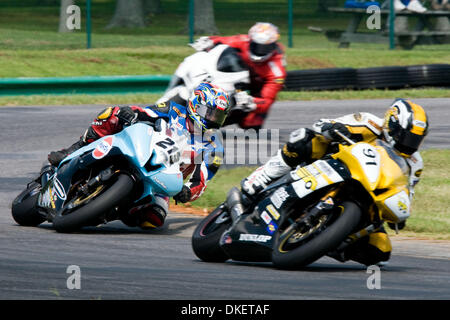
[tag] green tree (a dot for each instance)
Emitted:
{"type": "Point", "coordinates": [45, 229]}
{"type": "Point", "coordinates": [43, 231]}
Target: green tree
{"type": "Point", "coordinates": [128, 14]}
{"type": "Point", "coordinates": [204, 21]}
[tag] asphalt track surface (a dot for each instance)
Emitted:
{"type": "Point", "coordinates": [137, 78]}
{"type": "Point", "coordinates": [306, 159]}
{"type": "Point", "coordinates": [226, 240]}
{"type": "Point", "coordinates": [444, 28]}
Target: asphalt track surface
{"type": "Point", "coordinates": [118, 262]}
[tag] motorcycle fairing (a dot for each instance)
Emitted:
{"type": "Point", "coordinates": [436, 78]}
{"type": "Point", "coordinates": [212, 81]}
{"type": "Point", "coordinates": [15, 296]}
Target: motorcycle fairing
{"type": "Point", "coordinates": [254, 233]}
{"type": "Point", "coordinates": [315, 176]}
{"type": "Point", "coordinates": [382, 176]}
{"type": "Point", "coordinates": [140, 144]}
{"type": "Point", "coordinates": [248, 239]}
{"type": "Point", "coordinates": [203, 66]}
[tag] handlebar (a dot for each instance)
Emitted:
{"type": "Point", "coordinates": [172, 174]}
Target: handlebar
{"type": "Point", "coordinates": [346, 139]}
{"type": "Point", "coordinates": [157, 125]}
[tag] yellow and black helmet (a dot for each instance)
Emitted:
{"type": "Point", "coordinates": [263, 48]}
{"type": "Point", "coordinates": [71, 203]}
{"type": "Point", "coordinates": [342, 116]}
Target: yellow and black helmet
{"type": "Point", "coordinates": [405, 126]}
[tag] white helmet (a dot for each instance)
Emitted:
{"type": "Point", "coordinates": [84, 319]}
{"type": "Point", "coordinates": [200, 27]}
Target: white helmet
{"type": "Point", "coordinates": [263, 41]}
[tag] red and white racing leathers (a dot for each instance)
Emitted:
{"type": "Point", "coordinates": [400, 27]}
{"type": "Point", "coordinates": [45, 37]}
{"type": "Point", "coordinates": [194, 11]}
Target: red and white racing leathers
{"type": "Point", "coordinates": [267, 77]}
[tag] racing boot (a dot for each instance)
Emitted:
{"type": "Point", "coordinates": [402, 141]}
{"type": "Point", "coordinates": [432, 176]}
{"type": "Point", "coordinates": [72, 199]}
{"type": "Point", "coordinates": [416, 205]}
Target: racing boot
{"type": "Point", "coordinates": [265, 175]}
{"type": "Point", "coordinates": [373, 249]}
{"type": "Point", "coordinates": [153, 215]}
{"type": "Point", "coordinates": [234, 204]}
{"type": "Point", "coordinates": [55, 157]}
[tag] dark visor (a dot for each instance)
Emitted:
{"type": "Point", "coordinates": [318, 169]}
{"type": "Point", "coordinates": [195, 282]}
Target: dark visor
{"type": "Point", "coordinates": [261, 50]}
{"type": "Point", "coordinates": [408, 142]}
{"type": "Point", "coordinates": [213, 116]}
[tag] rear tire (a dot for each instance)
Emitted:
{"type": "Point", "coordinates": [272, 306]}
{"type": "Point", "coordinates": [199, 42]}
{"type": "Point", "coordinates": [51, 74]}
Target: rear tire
{"type": "Point", "coordinates": [320, 244]}
{"type": "Point", "coordinates": [90, 213]}
{"type": "Point", "coordinates": [23, 208]}
{"type": "Point", "coordinates": [206, 237]}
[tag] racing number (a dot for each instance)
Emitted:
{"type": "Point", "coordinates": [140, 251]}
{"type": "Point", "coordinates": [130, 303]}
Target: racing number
{"type": "Point", "coordinates": [164, 144]}
{"type": "Point", "coordinates": [369, 153]}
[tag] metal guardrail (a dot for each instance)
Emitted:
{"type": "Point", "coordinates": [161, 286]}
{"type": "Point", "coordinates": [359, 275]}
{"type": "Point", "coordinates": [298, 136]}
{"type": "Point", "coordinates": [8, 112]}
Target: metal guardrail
{"type": "Point", "coordinates": [84, 85]}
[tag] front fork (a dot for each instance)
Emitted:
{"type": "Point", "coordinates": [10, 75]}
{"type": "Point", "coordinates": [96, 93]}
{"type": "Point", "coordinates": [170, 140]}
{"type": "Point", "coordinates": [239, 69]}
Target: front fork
{"type": "Point", "coordinates": [47, 172]}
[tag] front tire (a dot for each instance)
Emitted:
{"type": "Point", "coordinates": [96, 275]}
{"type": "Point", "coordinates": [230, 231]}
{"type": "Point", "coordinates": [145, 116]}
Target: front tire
{"type": "Point", "coordinates": [206, 237]}
{"type": "Point", "coordinates": [23, 208]}
{"type": "Point", "coordinates": [90, 213]}
{"type": "Point", "coordinates": [319, 244]}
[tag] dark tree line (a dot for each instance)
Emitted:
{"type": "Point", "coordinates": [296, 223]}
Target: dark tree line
{"type": "Point", "coordinates": [136, 13]}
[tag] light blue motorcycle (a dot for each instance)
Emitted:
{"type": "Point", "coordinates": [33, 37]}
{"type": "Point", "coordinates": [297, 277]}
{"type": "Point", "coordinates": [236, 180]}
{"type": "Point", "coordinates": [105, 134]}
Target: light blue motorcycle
{"type": "Point", "coordinates": [102, 181]}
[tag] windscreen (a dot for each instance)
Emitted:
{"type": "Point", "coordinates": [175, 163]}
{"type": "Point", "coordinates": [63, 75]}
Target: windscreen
{"type": "Point", "coordinates": [401, 162]}
{"type": "Point", "coordinates": [229, 61]}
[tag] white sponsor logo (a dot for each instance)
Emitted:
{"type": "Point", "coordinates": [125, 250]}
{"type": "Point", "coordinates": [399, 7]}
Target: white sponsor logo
{"type": "Point", "coordinates": [46, 198]}
{"type": "Point", "coordinates": [278, 197]}
{"type": "Point", "coordinates": [419, 123]}
{"type": "Point", "coordinates": [254, 237]}
{"type": "Point", "coordinates": [59, 190]}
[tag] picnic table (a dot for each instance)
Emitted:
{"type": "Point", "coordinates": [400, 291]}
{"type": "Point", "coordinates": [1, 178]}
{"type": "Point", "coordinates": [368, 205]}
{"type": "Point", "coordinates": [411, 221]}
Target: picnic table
{"type": "Point", "coordinates": [423, 32]}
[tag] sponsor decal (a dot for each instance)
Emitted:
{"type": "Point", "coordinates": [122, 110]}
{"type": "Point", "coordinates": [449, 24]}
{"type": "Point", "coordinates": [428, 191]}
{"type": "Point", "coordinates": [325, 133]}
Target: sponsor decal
{"type": "Point", "coordinates": [217, 161]}
{"type": "Point", "coordinates": [103, 148]}
{"type": "Point", "coordinates": [159, 182]}
{"type": "Point", "coordinates": [271, 227]}
{"type": "Point", "coordinates": [179, 113]}
{"type": "Point", "coordinates": [45, 198]}
{"type": "Point", "coordinates": [402, 207]}
{"type": "Point", "coordinates": [221, 103]}
{"type": "Point", "coordinates": [59, 189]}
{"type": "Point", "coordinates": [325, 168]}
{"type": "Point", "coordinates": [265, 216]}
{"type": "Point", "coordinates": [308, 178]}
{"type": "Point", "coordinates": [227, 239]}
{"type": "Point", "coordinates": [254, 237]}
{"type": "Point", "coordinates": [275, 214]}
{"type": "Point", "coordinates": [420, 124]}
{"type": "Point", "coordinates": [278, 197]}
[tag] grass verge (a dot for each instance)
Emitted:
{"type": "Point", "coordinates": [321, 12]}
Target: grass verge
{"type": "Point", "coordinates": [30, 45]}
{"type": "Point", "coordinates": [148, 98]}
{"type": "Point", "coordinates": [430, 216]}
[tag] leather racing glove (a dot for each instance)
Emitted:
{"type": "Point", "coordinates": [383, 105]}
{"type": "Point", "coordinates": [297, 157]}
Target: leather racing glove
{"type": "Point", "coordinates": [244, 101]}
{"type": "Point", "coordinates": [328, 130]}
{"type": "Point", "coordinates": [183, 196]}
{"type": "Point", "coordinates": [126, 116]}
{"type": "Point", "coordinates": [202, 44]}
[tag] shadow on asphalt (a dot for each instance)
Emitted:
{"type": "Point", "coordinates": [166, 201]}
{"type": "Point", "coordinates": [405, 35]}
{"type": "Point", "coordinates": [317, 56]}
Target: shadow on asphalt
{"type": "Point", "coordinates": [173, 226]}
{"type": "Point", "coordinates": [337, 267]}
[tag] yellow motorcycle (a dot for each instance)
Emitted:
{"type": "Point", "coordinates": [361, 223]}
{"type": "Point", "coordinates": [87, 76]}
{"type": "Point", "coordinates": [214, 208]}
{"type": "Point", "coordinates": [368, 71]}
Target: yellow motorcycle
{"type": "Point", "coordinates": [313, 210]}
